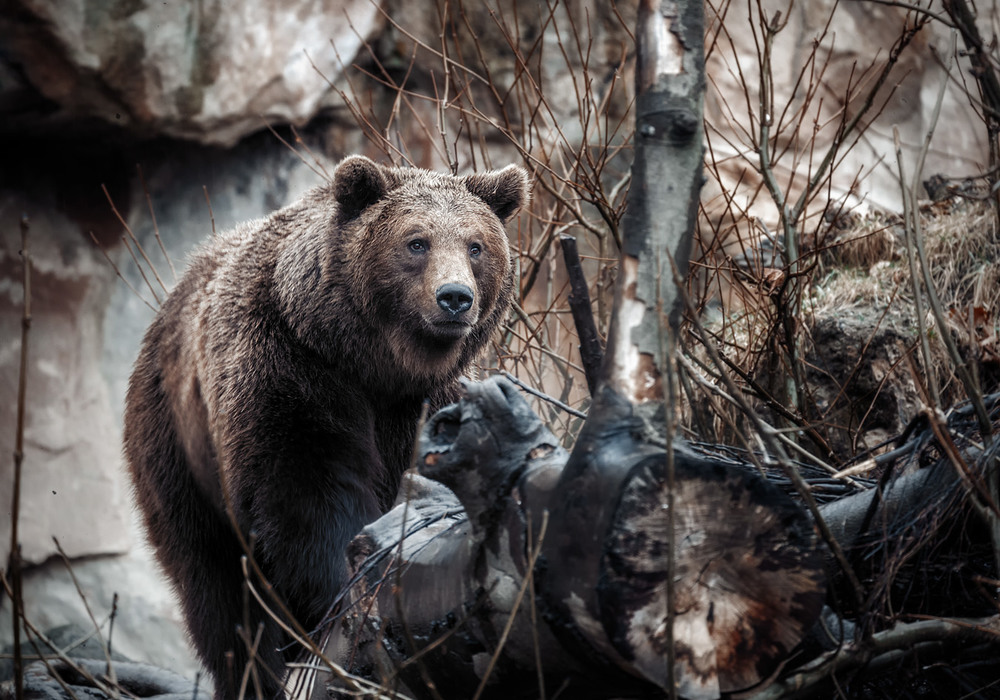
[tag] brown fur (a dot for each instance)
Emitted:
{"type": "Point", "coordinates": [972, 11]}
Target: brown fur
{"type": "Point", "coordinates": [289, 366]}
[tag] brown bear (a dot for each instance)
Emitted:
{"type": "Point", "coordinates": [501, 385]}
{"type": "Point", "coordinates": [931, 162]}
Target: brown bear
{"type": "Point", "coordinates": [285, 375]}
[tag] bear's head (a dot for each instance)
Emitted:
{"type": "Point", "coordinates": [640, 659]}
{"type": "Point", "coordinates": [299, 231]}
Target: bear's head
{"type": "Point", "coordinates": [428, 258]}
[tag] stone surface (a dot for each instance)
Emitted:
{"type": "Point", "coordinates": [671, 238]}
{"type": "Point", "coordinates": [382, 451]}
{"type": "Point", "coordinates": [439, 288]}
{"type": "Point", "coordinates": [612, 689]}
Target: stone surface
{"type": "Point", "coordinates": [79, 678]}
{"type": "Point", "coordinates": [85, 333]}
{"type": "Point", "coordinates": [848, 59]}
{"type": "Point", "coordinates": [73, 639]}
{"type": "Point", "coordinates": [71, 486]}
{"type": "Point", "coordinates": [204, 71]}
{"type": "Point", "coordinates": [147, 625]}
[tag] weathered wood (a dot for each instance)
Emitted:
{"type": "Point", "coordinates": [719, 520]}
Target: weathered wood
{"type": "Point", "coordinates": [431, 609]}
{"type": "Point", "coordinates": [455, 578]}
{"type": "Point", "coordinates": [663, 198]}
{"type": "Point", "coordinates": [747, 562]}
{"type": "Point", "coordinates": [901, 498]}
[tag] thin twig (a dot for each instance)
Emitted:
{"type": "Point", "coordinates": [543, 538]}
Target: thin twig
{"type": "Point", "coordinates": [128, 246]}
{"type": "Point", "coordinates": [321, 173]}
{"type": "Point", "coordinates": [105, 648]}
{"type": "Point", "coordinates": [397, 595]}
{"type": "Point", "coordinates": [533, 552]}
{"type": "Point", "coordinates": [14, 565]}
{"type": "Point", "coordinates": [211, 214]}
{"type": "Point", "coordinates": [156, 228]}
{"type": "Point", "coordinates": [249, 671]}
{"type": "Point", "coordinates": [315, 158]}
{"type": "Point", "coordinates": [915, 240]}
{"type": "Point", "coordinates": [63, 656]}
{"type": "Point", "coordinates": [119, 273]}
{"type": "Point", "coordinates": [138, 245]}
{"type": "Point", "coordinates": [543, 396]}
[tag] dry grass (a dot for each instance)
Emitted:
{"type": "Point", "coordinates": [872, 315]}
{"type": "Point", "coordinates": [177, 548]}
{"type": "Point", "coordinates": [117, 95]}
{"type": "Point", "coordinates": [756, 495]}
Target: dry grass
{"type": "Point", "coordinates": [862, 283]}
{"type": "Point", "coordinates": [864, 264]}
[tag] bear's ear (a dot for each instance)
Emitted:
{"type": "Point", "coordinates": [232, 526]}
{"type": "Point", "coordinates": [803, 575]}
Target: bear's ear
{"type": "Point", "coordinates": [357, 184]}
{"type": "Point", "coordinates": [505, 191]}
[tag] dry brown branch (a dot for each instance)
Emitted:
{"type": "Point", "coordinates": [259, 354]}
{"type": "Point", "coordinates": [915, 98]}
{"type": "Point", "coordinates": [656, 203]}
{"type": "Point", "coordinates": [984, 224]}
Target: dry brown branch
{"type": "Point", "coordinates": [156, 228]}
{"type": "Point", "coordinates": [319, 171]}
{"type": "Point", "coordinates": [105, 645]}
{"type": "Point", "coordinates": [14, 563]}
{"type": "Point", "coordinates": [29, 627]}
{"type": "Point", "coordinates": [118, 273]}
{"type": "Point", "coordinates": [131, 235]}
{"type": "Point", "coordinates": [903, 640]}
{"type": "Point", "coordinates": [138, 265]}
{"type": "Point", "coordinates": [208, 203]}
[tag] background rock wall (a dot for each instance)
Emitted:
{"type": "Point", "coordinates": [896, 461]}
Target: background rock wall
{"type": "Point", "coordinates": [86, 328]}
{"type": "Point", "coordinates": [203, 70]}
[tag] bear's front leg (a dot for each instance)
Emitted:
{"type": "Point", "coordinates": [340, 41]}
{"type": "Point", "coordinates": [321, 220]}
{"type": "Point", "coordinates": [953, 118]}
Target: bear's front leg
{"type": "Point", "coordinates": [300, 504]}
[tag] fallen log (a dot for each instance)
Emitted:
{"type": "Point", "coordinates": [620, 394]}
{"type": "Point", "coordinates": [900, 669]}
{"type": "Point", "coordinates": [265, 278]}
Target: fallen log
{"type": "Point", "coordinates": [532, 573]}
{"type": "Point", "coordinates": [510, 569]}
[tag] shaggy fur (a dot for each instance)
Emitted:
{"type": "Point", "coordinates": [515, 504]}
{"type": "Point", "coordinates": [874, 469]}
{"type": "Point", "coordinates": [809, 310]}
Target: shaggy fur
{"type": "Point", "coordinates": [287, 370]}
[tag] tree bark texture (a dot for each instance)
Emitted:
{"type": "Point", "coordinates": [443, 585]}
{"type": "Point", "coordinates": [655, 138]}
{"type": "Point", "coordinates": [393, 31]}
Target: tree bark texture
{"type": "Point", "coordinates": [663, 197]}
{"type": "Point", "coordinates": [589, 614]}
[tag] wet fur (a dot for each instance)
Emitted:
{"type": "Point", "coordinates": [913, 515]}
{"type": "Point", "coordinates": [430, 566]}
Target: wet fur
{"type": "Point", "coordinates": [290, 364]}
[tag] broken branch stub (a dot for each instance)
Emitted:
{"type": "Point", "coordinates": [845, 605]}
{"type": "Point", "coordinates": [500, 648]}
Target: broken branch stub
{"type": "Point", "coordinates": [591, 351]}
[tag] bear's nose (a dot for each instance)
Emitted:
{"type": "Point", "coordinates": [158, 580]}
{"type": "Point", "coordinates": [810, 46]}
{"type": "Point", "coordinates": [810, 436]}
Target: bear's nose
{"type": "Point", "coordinates": [454, 298]}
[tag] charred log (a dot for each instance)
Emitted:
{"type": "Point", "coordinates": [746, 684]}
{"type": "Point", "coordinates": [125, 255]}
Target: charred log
{"type": "Point", "coordinates": [591, 351]}
{"type": "Point", "coordinates": [534, 570]}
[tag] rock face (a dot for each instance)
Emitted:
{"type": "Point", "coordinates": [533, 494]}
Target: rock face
{"type": "Point", "coordinates": [71, 446]}
{"type": "Point", "coordinates": [85, 333]}
{"type": "Point", "coordinates": [201, 71]}
{"type": "Point", "coordinates": [147, 626]}
{"type": "Point", "coordinates": [843, 62]}
{"type": "Point", "coordinates": [50, 680]}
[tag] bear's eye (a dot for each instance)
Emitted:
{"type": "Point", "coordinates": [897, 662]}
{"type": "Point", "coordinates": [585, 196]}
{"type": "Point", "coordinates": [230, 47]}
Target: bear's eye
{"type": "Point", "coordinates": [475, 249]}
{"type": "Point", "coordinates": [417, 245]}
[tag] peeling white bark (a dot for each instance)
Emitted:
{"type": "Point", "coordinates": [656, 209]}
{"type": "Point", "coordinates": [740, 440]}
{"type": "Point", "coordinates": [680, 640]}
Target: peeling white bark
{"type": "Point", "coordinates": [630, 371]}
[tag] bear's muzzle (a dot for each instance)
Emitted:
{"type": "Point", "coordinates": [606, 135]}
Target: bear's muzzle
{"type": "Point", "coordinates": [455, 299]}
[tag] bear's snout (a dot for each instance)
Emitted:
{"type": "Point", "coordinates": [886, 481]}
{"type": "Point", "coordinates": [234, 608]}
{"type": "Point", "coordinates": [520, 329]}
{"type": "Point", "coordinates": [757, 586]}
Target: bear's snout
{"type": "Point", "coordinates": [455, 299]}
